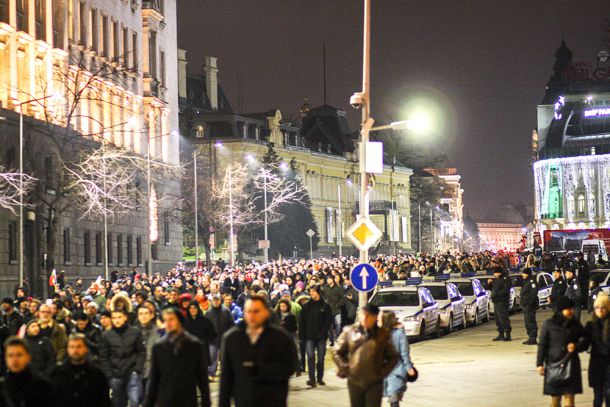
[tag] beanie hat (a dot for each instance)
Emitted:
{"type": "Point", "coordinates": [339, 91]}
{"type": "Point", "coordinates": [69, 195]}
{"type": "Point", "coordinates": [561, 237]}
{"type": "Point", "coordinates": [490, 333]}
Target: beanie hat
{"type": "Point", "coordinates": [564, 302]}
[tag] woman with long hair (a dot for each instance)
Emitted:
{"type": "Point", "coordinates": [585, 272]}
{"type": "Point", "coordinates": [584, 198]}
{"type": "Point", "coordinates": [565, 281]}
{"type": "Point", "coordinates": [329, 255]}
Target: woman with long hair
{"type": "Point", "coordinates": [395, 384]}
{"type": "Point", "coordinates": [598, 334]}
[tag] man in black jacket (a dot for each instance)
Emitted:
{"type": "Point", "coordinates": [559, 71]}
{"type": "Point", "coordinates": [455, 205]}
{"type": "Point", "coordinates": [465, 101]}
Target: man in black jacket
{"type": "Point", "coordinates": [316, 320]}
{"type": "Point", "coordinates": [12, 318]}
{"type": "Point", "coordinates": [529, 303]}
{"type": "Point", "coordinates": [223, 321]}
{"type": "Point", "coordinates": [257, 360]}
{"type": "Point", "coordinates": [91, 331]}
{"type": "Point", "coordinates": [122, 357]}
{"type": "Point", "coordinates": [177, 352]}
{"type": "Point", "coordinates": [79, 382]}
{"type": "Point", "coordinates": [559, 287]}
{"type": "Point", "coordinates": [574, 292]}
{"type": "Point", "coordinates": [500, 296]}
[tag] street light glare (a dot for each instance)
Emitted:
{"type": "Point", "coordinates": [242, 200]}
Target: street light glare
{"type": "Point", "coordinates": [419, 123]}
{"type": "Point", "coordinates": [283, 165]}
{"type": "Point", "coordinates": [250, 158]}
{"type": "Point", "coordinates": [218, 144]}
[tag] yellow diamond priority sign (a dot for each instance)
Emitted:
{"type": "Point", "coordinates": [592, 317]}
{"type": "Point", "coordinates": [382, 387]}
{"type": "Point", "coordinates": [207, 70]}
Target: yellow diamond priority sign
{"type": "Point", "coordinates": [364, 234]}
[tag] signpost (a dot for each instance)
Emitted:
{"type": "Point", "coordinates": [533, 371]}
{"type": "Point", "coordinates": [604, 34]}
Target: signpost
{"type": "Point", "coordinates": [311, 234]}
{"type": "Point", "coordinates": [364, 234]}
{"type": "Point", "coordinates": [364, 277]}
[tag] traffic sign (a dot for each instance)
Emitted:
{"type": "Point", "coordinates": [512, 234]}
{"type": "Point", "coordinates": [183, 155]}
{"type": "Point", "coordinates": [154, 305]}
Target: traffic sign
{"type": "Point", "coordinates": [310, 233]}
{"type": "Point", "coordinates": [364, 277]}
{"type": "Point", "coordinates": [364, 234]}
{"type": "Point", "coordinates": [264, 244]}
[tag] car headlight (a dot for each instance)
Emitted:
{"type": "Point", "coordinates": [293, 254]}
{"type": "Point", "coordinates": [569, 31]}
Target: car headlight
{"type": "Point", "coordinates": [410, 319]}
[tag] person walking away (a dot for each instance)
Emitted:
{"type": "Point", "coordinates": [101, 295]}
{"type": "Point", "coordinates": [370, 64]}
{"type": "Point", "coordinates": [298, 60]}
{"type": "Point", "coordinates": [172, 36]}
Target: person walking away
{"type": "Point", "coordinates": [395, 384]}
{"type": "Point", "coordinates": [21, 386]}
{"type": "Point", "coordinates": [561, 335]}
{"type": "Point", "coordinates": [333, 295]}
{"type": "Point", "coordinates": [316, 320]}
{"type": "Point", "coordinates": [122, 358]}
{"type": "Point", "coordinates": [41, 351]}
{"type": "Point", "coordinates": [365, 355]}
{"type": "Point", "coordinates": [573, 291]}
{"type": "Point", "coordinates": [529, 303]}
{"type": "Point", "coordinates": [78, 381]}
{"type": "Point", "coordinates": [150, 335]}
{"type": "Point", "coordinates": [177, 351]}
{"type": "Point", "coordinates": [598, 336]}
{"type": "Point", "coordinates": [500, 296]}
{"type": "Point", "coordinates": [222, 320]}
{"type": "Point", "coordinates": [257, 360]}
{"type": "Point", "coordinates": [559, 286]}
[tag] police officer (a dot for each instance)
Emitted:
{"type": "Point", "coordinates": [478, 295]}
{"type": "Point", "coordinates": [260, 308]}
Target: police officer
{"type": "Point", "coordinates": [583, 276]}
{"type": "Point", "coordinates": [500, 296]}
{"type": "Point", "coordinates": [594, 290]}
{"type": "Point", "coordinates": [559, 286]}
{"type": "Point", "coordinates": [529, 303]}
{"type": "Point", "coordinates": [573, 291]}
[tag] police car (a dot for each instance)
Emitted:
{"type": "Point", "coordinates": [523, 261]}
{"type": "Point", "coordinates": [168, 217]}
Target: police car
{"type": "Point", "coordinates": [476, 298]}
{"type": "Point", "coordinates": [602, 276]}
{"type": "Point", "coordinates": [414, 307]}
{"type": "Point", "coordinates": [451, 304]}
{"type": "Point", "coordinates": [484, 280]}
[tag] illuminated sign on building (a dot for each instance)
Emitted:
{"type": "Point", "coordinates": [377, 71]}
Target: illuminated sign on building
{"type": "Point", "coordinates": [605, 111]}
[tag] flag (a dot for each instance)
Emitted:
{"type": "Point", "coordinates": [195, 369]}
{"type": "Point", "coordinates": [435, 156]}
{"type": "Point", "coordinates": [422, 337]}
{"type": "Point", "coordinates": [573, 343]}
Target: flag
{"type": "Point", "coordinates": [53, 278]}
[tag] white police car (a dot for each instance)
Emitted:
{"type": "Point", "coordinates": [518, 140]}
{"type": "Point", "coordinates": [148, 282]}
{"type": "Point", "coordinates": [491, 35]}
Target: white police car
{"type": "Point", "coordinates": [484, 280]}
{"type": "Point", "coordinates": [450, 304]}
{"type": "Point", "coordinates": [476, 298]}
{"type": "Point", "coordinates": [414, 307]}
{"type": "Point", "coordinates": [545, 286]}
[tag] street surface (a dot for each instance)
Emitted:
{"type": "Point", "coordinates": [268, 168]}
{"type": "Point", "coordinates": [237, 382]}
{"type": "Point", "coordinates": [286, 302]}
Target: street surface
{"type": "Point", "coordinates": [464, 369]}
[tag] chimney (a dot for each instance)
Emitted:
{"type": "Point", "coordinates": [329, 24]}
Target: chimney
{"type": "Point", "coordinates": [181, 76]}
{"type": "Point", "coordinates": [210, 68]}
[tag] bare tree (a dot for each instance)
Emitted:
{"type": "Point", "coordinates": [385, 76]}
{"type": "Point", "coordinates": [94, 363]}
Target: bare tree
{"type": "Point", "coordinates": [12, 186]}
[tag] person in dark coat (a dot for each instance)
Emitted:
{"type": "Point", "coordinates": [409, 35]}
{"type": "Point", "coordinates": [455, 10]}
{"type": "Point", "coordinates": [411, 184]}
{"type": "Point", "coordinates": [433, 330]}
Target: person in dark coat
{"type": "Point", "coordinates": [200, 327]}
{"type": "Point", "coordinates": [500, 296]}
{"type": "Point", "coordinates": [560, 335]}
{"type": "Point", "coordinates": [21, 386]}
{"type": "Point", "coordinates": [559, 287]}
{"type": "Point", "coordinates": [598, 336]}
{"type": "Point", "coordinates": [316, 320]}
{"type": "Point", "coordinates": [573, 291]}
{"type": "Point", "coordinates": [257, 360]}
{"type": "Point", "coordinates": [178, 367]}
{"type": "Point", "coordinates": [223, 321]}
{"type": "Point", "coordinates": [91, 331]}
{"type": "Point", "coordinates": [78, 381]}
{"type": "Point", "coordinates": [12, 318]}
{"type": "Point", "coordinates": [594, 291]}
{"type": "Point", "coordinates": [41, 350]}
{"type": "Point", "coordinates": [287, 320]}
{"type": "Point", "coordinates": [529, 303]}
{"type": "Point", "coordinates": [583, 275]}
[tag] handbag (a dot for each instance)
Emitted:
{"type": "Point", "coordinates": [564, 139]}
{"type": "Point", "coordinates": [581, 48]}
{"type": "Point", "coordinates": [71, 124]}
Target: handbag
{"type": "Point", "coordinates": [559, 373]}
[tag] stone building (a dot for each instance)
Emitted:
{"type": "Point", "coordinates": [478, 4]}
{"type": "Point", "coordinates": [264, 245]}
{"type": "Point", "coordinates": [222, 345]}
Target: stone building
{"type": "Point", "coordinates": [124, 54]}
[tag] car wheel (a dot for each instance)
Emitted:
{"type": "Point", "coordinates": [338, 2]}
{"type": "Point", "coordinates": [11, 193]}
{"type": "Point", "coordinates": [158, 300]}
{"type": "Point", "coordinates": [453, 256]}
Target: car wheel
{"type": "Point", "coordinates": [450, 326]}
{"type": "Point", "coordinates": [486, 319]}
{"type": "Point", "coordinates": [437, 332]}
{"type": "Point", "coordinates": [463, 326]}
{"type": "Point", "coordinates": [476, 321]}
{"type": "Point", "coordinates": [422, 331]}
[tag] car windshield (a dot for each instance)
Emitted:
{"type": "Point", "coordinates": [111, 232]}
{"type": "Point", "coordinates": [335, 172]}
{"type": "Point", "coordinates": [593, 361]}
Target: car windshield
{"type": "Point", "coordinates": [465, 289]}
{"type": "Point", "coordinates": [396, 299]}
{"type": "Point", "coordinates": [590, 248]}
{"type": "Point", "coordinates": [439, 292]}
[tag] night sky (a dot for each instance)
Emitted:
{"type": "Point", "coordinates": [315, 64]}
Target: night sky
{"type": "Point", "coordinates": [480, 68]}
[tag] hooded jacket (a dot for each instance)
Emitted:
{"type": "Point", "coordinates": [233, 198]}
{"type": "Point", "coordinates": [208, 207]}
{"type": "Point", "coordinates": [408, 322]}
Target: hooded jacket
{"type": "Point", "coordinates": [122, 352]}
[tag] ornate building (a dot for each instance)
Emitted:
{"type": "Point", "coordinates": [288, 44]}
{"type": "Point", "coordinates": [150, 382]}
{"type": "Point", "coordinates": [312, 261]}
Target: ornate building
{"type": "Point", "coordinates": [451, 209]}
{"type": "Point", "coordinates": [501, 229]}
{"type": "Point", "coordinates": [123, 53]}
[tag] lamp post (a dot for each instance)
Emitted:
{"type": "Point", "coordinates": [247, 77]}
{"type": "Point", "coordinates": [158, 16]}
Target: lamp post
{"type": "Point", "coordinates": [339, 223]}
{"type": "Point", "coordinates": [195, 200]}
{"type": "Point", "coordinates": [265, 247]}
{"type": "Point", "coordinates": [419, 227]}
{"type": "Point", "coordinates": [231, 232]}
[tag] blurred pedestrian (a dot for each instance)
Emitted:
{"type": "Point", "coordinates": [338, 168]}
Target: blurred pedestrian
{"type": "Point", "coordinates": [41, 351]}
{"type": "Point", "coordinates": [561, 339]}
{"type": "Point", "coordinates": [395, 384]}
{"type": "Point", "coordinates": [598, 335]}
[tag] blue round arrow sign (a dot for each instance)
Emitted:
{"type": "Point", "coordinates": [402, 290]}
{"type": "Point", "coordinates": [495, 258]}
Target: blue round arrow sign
{"type": "Point", "coordinates": [364, 277]}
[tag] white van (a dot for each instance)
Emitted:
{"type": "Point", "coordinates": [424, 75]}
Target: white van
{"type": "Point", "coordinates": [594, 246]}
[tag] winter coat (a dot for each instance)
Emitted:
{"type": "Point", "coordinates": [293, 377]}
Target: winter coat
{"type": "Point", "coordinates": [122, 352]}
{"type": "Point", "coordinates": [288, 322]}
{"type": "Point", "coordinates": [222, 320]}
{"type": "Point", "coordinates": [256, 375]}
{"type": "Point", "coordinates": [13, 321]}
{"type": "Point", "coordinates": [150, 336]}
{"type": "Point", "coordinates": [59, 339]}
{"type": "Point", "coordinates": [81, 385]}
{"type": "Point", "coordinates": [93, 334]}
{"type": "Point", "coordinates": [396, 382]}
{"type": "Point", "coordinates": [598, 336]}
{"type": "Point", "coordinates": [203, 329]}
{"type": "Point", "coordinates": [555, 335]}
{"type": "Point", "coordinates": [500, 290]}
{"type": "Point", "coordinates": [26, 389]}
{"type": "Point", "coordinates": [365, 357]}
{"type": "Point", "coordinates": [334, 297]}
{"type": "Point", "coordinates": [573, 291]}
{"type": "Point", "coordinates": [558, 290]}
{"type": "Point", "coordinates": [529, 293]}
{"type": "Point", "coordinates": [316, 319]}
{"type": "Point", "coordinates": [42, 354]}
{"type": "Point", "coordinates": [179, 366]}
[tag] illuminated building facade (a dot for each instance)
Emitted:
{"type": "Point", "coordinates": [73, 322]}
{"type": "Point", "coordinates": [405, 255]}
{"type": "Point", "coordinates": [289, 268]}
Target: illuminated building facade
{"type": "Point", "coordinates": [124, 53]}
{"type": "Point", "coordinates": [451, 208]}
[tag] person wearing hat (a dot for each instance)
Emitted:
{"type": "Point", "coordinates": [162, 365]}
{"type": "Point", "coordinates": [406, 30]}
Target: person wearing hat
{"type": "Point", "coordinates": [529, 303]}
{"type": "Point", "coordinates": [223, 321]}
{"type": "Point", "coordinates": [573, 290]}
{"type": "Point", "coordinates": [365, 355]}
{"type": "Point", "coordinates": [177, 352]}
{"type": "Point", "coordinates": [10, 316]}
{"type": "Point", "coordinates": [500, 296]}
{"type": "Point", "coordinates": [559, 286]}
{"type": "Point", "coordinates": [561, 335]}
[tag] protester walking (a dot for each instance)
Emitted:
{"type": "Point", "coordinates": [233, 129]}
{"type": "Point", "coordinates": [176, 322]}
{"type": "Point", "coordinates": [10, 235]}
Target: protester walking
{"type": "Point", "coordinates": [177, 352]}
{"type": "Point", "coordinates": [257, 360]}
{"type": "Point", "coordinates": [598, 336]}
{"type": "Point", "coordinates": [395, 384]}
{"type": "Point", "coordinates": [561, 339]}
{"type": "Point", "coordinates": [316, 320]}
{"type": "Point", "coordinates": [365, 355]}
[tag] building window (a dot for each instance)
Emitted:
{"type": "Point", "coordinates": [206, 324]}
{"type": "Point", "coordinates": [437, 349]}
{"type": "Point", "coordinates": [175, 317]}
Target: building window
{"type": "Point", "coordinates": [67, 256]}
{"type": "Point", "coordinates": [139, 250]}
{"type": "Point", "coordinates": [22, 15]}
{"type": "Point", "coordinates": [125, 47]}
{"type": "Point", "coordinates": [154, 253]}
{"type": "Point", "coordinates": [40, 19]}
{"type": "Point", "coordinates": [119, 250]}
{"type": "Point", "coordinates": [98, 248]}
{"type": "Point", "coordinates": [4, 11]}
{"type": "Point", "coordinates": [134, 52]}
{"type": "Point", "coordinates": [581, 205]}
{"type": "Point", "coordinates": [130, 250]}
{"type": "Point", "coordinates": [87, 242]}
{"type": "Point", "coordinates": [162, 68]}
{"type": "Point", "coordinates": [109, 247]}
{"type": "Point", "coordinates": [116, 41]}
{"type": "Point", "coordinates": [12, 241]}
{"type": "Point", "coordinates": [95, 31]}
{"type": "Point", "coordinates": [166, 231]}
{"type": "Point", "coordinates": [105, 42]}
{"type": "Point", "coordinates": [152, 54]}
{"type": "Point", "coordinates": [83, 18]}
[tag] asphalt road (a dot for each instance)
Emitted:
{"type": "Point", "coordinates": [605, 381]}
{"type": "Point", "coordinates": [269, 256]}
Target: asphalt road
{"type": "Point", "coordinates": [462, 369]}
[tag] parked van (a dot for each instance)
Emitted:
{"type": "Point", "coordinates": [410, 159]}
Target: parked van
{"type": "Point", "coordinates": [594, 246]}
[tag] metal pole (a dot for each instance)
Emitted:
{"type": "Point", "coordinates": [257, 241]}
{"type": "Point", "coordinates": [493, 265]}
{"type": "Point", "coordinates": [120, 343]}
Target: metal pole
{"type": "Point", "coordinates": [231, 253]}
{"type": "Point", "coordinates": [364, 134]}
{"type": "Point", "coordinates": [149, 186]}
{"type": "Point", "coordinates": [265, 249]}
{"type": "Point", "coordinates": [310, 247]}
{"type": "Point", "coordinates": [432, 237]}
{"type": "Point", "coordinates": [20, 195]}
{"type": "Point", "coordinates": [340, 223]}
{"type": "Point", "coordinates": [106, 274]}
{"type": "Point", "coordinates": [419, 227]}
{"type": "Point", "coordinates": [196, 207]}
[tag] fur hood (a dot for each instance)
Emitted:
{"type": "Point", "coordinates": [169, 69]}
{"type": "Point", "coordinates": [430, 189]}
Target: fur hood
{"type": "Point", "coordinates": [121, 297]}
